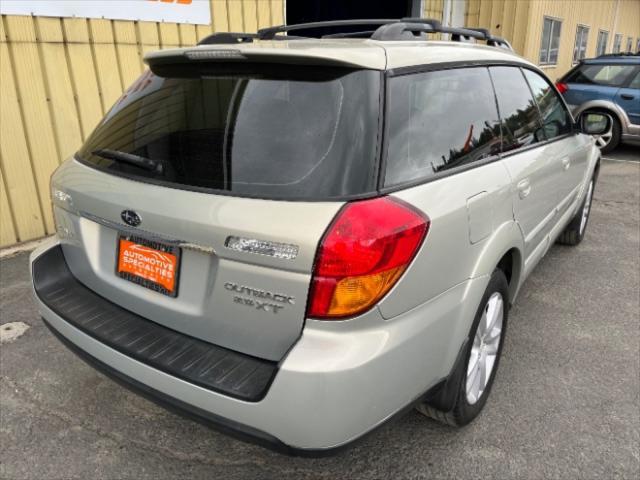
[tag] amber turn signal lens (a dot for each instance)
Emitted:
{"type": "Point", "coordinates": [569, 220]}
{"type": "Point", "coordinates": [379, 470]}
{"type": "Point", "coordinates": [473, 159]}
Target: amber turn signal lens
{"type": "Point", "coordinates": [355, 294]}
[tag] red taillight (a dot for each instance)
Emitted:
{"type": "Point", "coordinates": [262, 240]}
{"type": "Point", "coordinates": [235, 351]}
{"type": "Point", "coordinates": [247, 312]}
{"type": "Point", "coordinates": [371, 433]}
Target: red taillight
{"type": "Point", "coordinates": [365, 251]}
{"type": "Point", "coordinates": [562, 87]}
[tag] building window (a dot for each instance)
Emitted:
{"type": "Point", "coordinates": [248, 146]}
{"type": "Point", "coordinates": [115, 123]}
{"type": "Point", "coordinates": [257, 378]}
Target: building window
{"type": "Point", "coordinates": [629, 44]}
{"type": "Point", "coordinates": [617, 43]}
{"type": "Point", "coordinates": [601, 46]}
{"type": "Point", "coordinates": [550, 41]}
{"type": "Point", "coordinates": [580, 48]}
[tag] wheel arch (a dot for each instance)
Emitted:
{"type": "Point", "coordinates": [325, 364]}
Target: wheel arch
{"type": "Point", "coordinates": [503, 250]}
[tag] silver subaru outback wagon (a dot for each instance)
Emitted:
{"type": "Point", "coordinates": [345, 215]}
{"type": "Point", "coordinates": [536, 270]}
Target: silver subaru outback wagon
{"type": "Point", "coordinates": [296, 239]}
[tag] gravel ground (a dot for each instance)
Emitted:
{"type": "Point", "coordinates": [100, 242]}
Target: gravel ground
{"type": "Point", "coordinates": [565, 403]}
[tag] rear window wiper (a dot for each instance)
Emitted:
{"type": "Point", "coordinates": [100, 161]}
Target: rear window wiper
{"type": "Point", "coordinates": [135, 160]}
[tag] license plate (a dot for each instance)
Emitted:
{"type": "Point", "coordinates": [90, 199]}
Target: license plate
{"type": "Point", "coordinates": [148, 263]}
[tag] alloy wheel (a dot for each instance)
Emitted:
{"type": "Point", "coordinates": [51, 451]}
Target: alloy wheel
{"type": "Point", "coordinates": [484, 350]}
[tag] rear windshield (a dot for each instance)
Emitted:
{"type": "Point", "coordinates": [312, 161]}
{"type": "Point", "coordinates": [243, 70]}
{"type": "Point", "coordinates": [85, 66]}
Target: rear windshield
{"type": "Point", "coordinates": [296, 132]}
{"type": "Point", "coordinates": [597, 74]}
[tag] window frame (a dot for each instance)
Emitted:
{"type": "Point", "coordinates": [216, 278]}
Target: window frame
{"type": "Point", "coordinates": [585, 30]}
{"type": "Point", "coordinates": [558, 96]}
{"type": "Point", "coordinates": [616, 37]}
{"type": "Point", "coordinates": [415, 69]}
{"type": "Point", "coordinates": [554, 21]}
{"type": "Point", "coordinates": [629, 48]}
{"type": "Point", "coordinates": [606, 43]}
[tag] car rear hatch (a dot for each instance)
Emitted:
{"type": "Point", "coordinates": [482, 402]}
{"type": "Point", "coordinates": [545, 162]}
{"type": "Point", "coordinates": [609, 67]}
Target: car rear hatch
{"type": "Point", "coordinates": [199, 201]}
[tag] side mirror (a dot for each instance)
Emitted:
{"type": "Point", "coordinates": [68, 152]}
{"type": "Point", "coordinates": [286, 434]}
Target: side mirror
{"type": "Point", "coordinates": [593, 123]}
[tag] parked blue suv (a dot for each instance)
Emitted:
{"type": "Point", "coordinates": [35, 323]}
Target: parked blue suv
{"type": "Point", "coordinates": [610, 84]}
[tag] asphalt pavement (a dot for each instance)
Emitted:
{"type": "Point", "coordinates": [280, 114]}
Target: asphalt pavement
{"type": "Point", "coordinates": [566, 402]}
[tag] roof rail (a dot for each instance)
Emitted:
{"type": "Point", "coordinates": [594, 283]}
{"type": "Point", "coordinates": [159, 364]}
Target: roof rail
{"type": "Point", "coordinates": [405, 29]}
{"type": "Point", "coordinates": [389, 29]}
{"type": "Point", "coordinates": [620, 54]}
{"type": "Point", "coordinates": [269, 33]}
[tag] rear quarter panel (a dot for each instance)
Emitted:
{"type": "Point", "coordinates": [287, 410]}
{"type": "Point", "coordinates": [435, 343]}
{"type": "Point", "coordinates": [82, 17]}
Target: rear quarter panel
{"type": "Point", "coordinates": [448, 257]}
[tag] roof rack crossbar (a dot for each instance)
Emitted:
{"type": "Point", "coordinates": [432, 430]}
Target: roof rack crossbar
{"type": "Point", "coordinates": [270, 32]}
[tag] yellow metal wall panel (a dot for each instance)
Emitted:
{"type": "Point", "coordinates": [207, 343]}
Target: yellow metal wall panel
{"type": "Point", "coordinates": [30, 84]}
{"type": "Point", "coordinates": [147, 36]}
{"type": "Point", "coordinates": [220, 16]}
{"type": "Point", "coordinates": [129, 58]}
{"type": "Point", "coordinates": [60, 92]}
{"type": "Point", "coordinates": [250, 13]}
{"type": "Point", "coordinates": [105, 61]}
{"type": "Point", "coordinates": [264, 13]}
{"type": "Point", "coordinates": [169, 35]}
{"type": "Point", "coordinates": [507, 21]}
{"type": "Point", "coordinates": [21, 191]}
{"type": "Point", "coordinates": [187, 35]}
{"type": "Point", "coordinates": [472, 13]}
{"type": "Point", "coordinates": [236, 16]}
{"type": "Point", "coordinates": [520, 27]}
{"type": "Point", "coordinates": [83, 74]}
{"type": "Point", "coordinates": [277, 12]}
{"type": "Point", "coordinates": [7, 231]}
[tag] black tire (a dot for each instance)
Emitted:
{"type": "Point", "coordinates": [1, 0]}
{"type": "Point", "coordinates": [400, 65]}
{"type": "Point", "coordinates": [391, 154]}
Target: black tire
{"type": "Point", "coordinates": [457, 411]}
{"type": "Point", "coordinates": [574, 231]}
{"type": "Point", "coordinates": [616, 132]}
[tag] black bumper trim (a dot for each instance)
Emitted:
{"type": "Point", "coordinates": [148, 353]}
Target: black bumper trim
{"type": "Point", "coordinates": [204, 364]}
{"type": "Point", "coordinates": [222, 424]}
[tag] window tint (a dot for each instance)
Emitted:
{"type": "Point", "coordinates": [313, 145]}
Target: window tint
{"type": "Point", "coordinates": [580, 48]}
{"type": "Point", "coordinates": [291, 132]}
{"type": "Point", "coordinates": [521, 124]}
{"type": "Point", "coordinates": [601, 45]}
{"type": "Point", "coordinates": [550, 41]}
{"type": "Point", "coordinates": [555, 116]}
{"type": "Point", "coordinates": [439, 120]}
{"type": "Point", "coordinates": [609, 75]}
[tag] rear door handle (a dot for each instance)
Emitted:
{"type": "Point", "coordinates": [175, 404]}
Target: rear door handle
{"type": "Point", "coordinates": [524, 188]}
{"type": "Point", "coordinates": [566, 163]}
{"type": "Point", "coordinates": [626, 96]}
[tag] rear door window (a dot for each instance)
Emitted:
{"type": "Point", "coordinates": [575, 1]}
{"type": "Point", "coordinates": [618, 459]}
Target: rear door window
{"type": "Point", "coordinates": [555, 117]}
{"type": "Point", "coordinates": [606, 75]}
{"type": "Point", "coordinates": [521, 121]}
{"type": "Point", "coordinates": [285, 132]}
{"type": "Point", "coordinates": [437, 121]}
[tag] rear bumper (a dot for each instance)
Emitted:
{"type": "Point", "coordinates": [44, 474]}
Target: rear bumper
{"type": "Point", "coordinates": [340, 380]}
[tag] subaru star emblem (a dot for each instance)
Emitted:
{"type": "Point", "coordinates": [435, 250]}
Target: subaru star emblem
{"type": "Point", "coordinates": [131, 218]}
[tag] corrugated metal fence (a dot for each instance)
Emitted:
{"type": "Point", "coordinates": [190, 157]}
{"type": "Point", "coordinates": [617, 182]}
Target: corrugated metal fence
{"type": "Point", "coordinates": [60, 76]}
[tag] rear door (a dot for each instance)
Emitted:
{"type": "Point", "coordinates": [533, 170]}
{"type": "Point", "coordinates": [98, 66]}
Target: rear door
{"type": "Point", "coordinates": [531, 167]}
{"type": "Point", "coordinates": [200, 199]}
